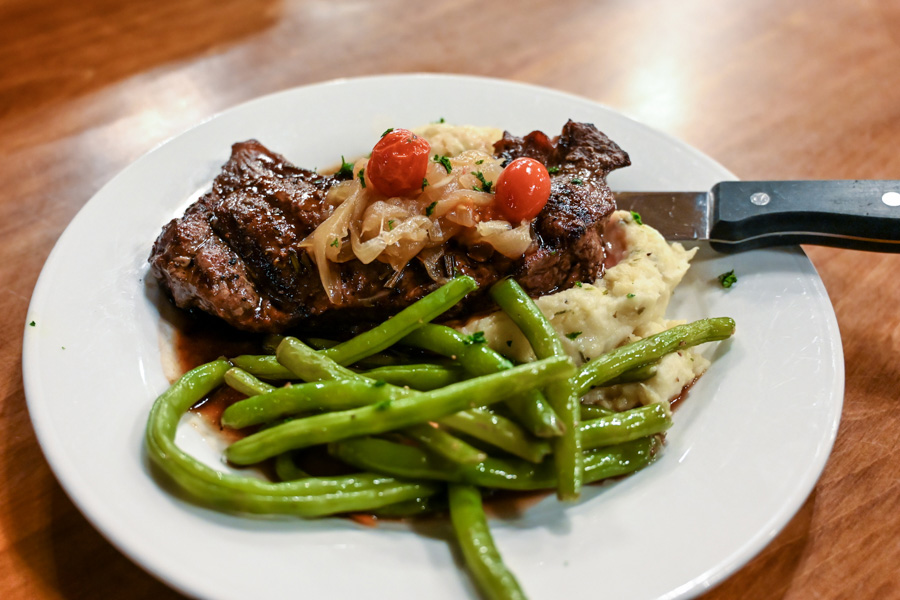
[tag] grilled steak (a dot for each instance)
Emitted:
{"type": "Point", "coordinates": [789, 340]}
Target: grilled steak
{"type": "Point", "coordinates": [235, 253]}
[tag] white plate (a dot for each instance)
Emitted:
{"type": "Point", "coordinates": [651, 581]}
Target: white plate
{"type": "Point", "coordinates": [745, 451]}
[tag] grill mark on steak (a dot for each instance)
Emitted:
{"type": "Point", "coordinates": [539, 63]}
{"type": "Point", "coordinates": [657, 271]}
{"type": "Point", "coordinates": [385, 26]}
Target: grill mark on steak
{"type": "Point", "coordinates": [235, 253]}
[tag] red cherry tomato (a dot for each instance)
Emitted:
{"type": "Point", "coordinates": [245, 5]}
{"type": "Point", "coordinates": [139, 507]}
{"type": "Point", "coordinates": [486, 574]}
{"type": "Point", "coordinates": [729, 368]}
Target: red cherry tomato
{"type": "Point", "coordinates": [398, 163]}
{"type": "Point", "coordinates": [523, 189]}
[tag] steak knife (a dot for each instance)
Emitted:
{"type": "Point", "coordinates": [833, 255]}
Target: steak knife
{"type": "Point", "coordinates": [742, 215]}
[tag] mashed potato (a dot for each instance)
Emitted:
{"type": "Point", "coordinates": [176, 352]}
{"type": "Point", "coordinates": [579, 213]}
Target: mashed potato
{"type": "Point", "coordinates": [629, 303]}
{"type": "Point", "coordinates": [453, 140]}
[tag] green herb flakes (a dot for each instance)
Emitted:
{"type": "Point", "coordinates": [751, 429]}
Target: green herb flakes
{"type": "Point", "coordinates": [637, 217]}
{"type": "Point", "coordinates": [573, 335]}
{"type": "Point", "coordinates": [475, 338]}
{"type": "Point", "coordinates": [444, 161]}
{"type": "Point", "coordinates": [387, 131]}
{"type": "Point", "coordinates": [726, 280]}
{"type": "Point", "coordinates": [362, 177]}
{"type": "Point", "coordinates": [485, 184]}
{"type": "Point", "coordinates": [430, 208]}
{"type": "Point", "coordinates": [346, 169]}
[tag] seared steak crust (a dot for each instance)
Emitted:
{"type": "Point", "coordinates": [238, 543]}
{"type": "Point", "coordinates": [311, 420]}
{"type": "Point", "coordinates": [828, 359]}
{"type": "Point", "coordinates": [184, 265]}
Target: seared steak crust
{"type": "Point", "coordinates": [235, 253]}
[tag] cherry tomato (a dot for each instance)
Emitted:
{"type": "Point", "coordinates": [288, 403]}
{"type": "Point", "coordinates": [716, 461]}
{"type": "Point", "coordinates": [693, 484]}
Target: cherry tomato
{"type": "Point", "coordinates": [398, 163]}
{"type": "Point", "coordinates": [523, 189]}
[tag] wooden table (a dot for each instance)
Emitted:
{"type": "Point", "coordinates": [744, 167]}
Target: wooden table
{"type": "Point", "coordinates": [772, 89]}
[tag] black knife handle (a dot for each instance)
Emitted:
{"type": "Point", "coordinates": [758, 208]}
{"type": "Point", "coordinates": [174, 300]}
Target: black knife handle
{"type": "Point", "coordinates": [862, 215]}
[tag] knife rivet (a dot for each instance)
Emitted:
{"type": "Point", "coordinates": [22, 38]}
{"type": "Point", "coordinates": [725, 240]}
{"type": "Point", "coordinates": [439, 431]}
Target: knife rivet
{"type": "Point", "coordinates": [760, 198]}
{"type": "Point", "coordinates": [891, 198]}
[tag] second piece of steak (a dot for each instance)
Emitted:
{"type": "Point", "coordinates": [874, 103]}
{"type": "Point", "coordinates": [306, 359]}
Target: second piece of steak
{"type": "Point", "coordinates": [235, 253]}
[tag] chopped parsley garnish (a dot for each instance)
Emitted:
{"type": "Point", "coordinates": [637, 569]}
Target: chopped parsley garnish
{"type": "Point", "coordinates": [362, 177]}
{"type": "Point", "coordinates": [629, 295]}
{"type": "Point", "coordinates": [478, 162]}
{"type": "Point", "coordinates": [387, 131]}
{"type": "Point", "coordinates": [577, 181]}
{"type": "Point", "coordinates": [335, 243]}
{"type": "Point", "coordinates": [553, 170]}
{"type": "Point", "coordinates": [443, 161]}
{"type": "Point", "coordinates": [573, 335]}
{"type": "Point", "coordinates": [728, 279]}
{"type": "Point", "coordinates": [430, 208]}
{"type": "Point", "coordinates": [637, 217]}
{"type": "Point", "coordinates": [485, 184]}
{"type": "Point", "coordinates": [475, 338]}
{"type": "Point", "coordinates": [391, 225]}
{"type": "Point", "coordinates": [578, 284]}
{"type": "Point", "coordinates": [424, 182]}
{"type": "Point", "coordinates": [346, 169]}
{"type": "Point", "coordinates": [380, 383]}
{"type": "Point", "coordinates": [441, 120]}
{"type": "Point", "coordinates": [32, 324]}
{"type": "Point", "coordinates": [383, 405]}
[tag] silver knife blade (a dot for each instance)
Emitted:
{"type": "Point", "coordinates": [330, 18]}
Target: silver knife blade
{"type": "Point", "coordinates": [678, 216]}
{"type": "Point", "coordinates": [744, 215]}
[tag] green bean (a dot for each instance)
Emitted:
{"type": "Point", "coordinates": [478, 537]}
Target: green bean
{"type": "Point", "coordinates": [614, 461]}
{"type": "Point", "coordinates": [290, 400]}
{"type": "Point", "coordinates": [407, 462]}
{"type": "Point", "coordinates": [422, 377]}
{"type": "Point", "coordinates": [309, 365]}
{"type": "Point", "coordinates": [498, 431]}
{"type": "Point", "coordinates": [418, 407]}
{"type": "Point", "coordinates": [494, 579]}
{"type": "Point", "coordinates": [286, 469]}
{"type": "Point", "coordinates": [245, 383]}
{"type": "Point", "coordinates": [402, 460]}
{"type": "Point", "coordinates": [638, 374]}
{"type": "Point", "coordinates": [412, 508]}
{"type": "Point", "coordinates": [442, 443]}
{"type": "Point", "coordinates": [372, 361]}
{"type": "Point", "coordinates": [622, 359]}
{"type": "Point", "coordinates": [311, 497]}
{"type": "Point", "coordinates": [340, 394]}
{"type": "Point", "coordinates": [318, 343]}
{"type": "Point", "coordinates": [262, 365]}
{"type": "Point", "coordinates": [531, 409]}
{"type": "Point", "coordinates": [522, 310]}
{"type": "Point", "coordinates": [394, 329]}
{"type": "Point", "coordinates": [592, 411]}
{"type": "Point", "coordinates": [625, 426]}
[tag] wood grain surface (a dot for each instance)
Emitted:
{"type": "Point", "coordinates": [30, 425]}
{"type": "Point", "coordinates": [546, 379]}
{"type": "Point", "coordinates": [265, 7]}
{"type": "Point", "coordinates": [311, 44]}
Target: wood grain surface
{"type": "Point", "coordinates": [772, 89]}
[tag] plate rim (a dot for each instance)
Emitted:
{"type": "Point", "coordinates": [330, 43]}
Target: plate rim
{"type": "Point", "coordinates": [69, 479]}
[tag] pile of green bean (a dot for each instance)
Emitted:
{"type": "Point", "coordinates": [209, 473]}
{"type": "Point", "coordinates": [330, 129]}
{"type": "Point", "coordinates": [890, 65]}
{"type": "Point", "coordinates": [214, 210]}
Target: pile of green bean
{"type": "Point", "coordinates": [423, 436]}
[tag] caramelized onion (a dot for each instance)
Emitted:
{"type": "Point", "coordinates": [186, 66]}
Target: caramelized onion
{"type": "Point", "coordinates": [368, 226]}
